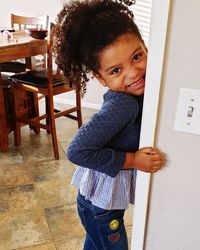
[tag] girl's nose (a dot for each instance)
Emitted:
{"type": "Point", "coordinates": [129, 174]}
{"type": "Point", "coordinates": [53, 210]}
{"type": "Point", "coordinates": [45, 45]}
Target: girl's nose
{"type": "Point", "coordinates": [131, 72]}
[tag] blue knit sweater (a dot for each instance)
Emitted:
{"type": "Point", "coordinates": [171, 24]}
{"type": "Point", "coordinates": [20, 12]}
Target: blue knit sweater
{"type": "Point", "coordinates": [101, 143]}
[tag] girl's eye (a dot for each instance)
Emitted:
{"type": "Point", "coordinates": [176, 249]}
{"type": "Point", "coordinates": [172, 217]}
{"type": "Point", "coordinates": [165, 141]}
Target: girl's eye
{"type": "Point", "coordinates": [136, 57]}
{"type": "Point", "coordinates": [115, 71]}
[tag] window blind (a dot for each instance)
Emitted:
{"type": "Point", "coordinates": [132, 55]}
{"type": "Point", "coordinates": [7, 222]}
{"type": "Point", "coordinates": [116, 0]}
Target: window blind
{"type": "Point", "coordinates": [142, 17]}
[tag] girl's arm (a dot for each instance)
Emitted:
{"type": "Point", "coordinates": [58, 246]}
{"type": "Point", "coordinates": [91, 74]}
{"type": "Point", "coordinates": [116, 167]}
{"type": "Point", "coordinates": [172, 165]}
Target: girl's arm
{"type": "Point", "coordinates": [88, 148]}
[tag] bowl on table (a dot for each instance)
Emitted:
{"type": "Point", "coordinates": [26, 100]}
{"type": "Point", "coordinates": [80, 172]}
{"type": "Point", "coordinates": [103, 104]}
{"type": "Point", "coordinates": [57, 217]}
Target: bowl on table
{"type": "Point", "coordinates": [37, 33]}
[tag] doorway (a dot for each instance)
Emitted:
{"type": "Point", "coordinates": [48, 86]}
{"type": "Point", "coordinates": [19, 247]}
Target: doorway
{"type": "Point", "coordinates": [156, 48]}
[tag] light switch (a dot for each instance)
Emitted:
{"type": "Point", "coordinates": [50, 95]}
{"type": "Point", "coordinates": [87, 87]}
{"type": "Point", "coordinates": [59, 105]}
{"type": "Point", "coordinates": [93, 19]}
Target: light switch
{"type": "Point", "coordinates": [188, 111]}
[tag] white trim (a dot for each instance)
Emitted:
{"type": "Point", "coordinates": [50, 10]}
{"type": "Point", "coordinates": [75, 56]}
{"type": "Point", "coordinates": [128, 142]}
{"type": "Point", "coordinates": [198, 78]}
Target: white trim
{"type": "Point", "coordinates": [83, 104]}
{"type": "Point", "coordinates": [159, 18]}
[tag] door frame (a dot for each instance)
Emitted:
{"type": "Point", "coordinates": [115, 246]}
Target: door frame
{"type": "Point", "coordinates": [156, 49]}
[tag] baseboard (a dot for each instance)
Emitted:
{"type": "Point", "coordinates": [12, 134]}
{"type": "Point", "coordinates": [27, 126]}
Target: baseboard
{"type": "Point", "coordinates": [83, 104]}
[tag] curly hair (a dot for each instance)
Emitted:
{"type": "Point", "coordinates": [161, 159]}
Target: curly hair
{"type": "Point", "coordinates": [83, 30]}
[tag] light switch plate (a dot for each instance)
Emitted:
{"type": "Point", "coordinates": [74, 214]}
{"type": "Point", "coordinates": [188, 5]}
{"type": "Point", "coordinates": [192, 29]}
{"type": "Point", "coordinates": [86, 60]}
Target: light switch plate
{"type": "Point", "coordinates": [188, 111]}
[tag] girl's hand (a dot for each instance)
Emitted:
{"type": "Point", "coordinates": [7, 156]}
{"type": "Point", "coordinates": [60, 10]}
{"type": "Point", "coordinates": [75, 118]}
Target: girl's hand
{"type": "Point", "coordinates": [148, 160]}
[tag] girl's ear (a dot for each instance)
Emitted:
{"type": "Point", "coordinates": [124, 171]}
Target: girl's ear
{"type": "Point", "coordinates": [99, 78]}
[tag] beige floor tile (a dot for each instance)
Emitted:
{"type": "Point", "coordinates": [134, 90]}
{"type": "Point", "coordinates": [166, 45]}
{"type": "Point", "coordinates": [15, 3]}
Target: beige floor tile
{"type": "Point", "coordinates": [64, 223]}
{"type": "Point", "coordinates": [36, 153]}
{"type": "Point", "coordinates": [55, 193]}
{"type": "Point", "coordinates": [66, 129]}
{"type": "Point", "coordinates": [17, 198]}
{"type": "Point", "coordinates": [64, 135]}
{"type": "Point", "coordinates": [128, 221]}
{"type": "Point", "coordinates": [71, 244]}
{"type": "Point", "coordinates": [12, 156]}
{"type": "Point", "coordinates": [23, 229]}
{"type": "Point", "coordinates": [28, 137]}
{"type": "Point", "coordinates": [64, 145]}
{"type": "Point", "coordinates": [128, 216]}
{"type": "Point", "coordinates": [51, 170]}
{"type": "Point", "coordinates": [72, 125]}
{"type": "Point", "coordinates": [50, 246]}
{"type": "Point", "coordinates": [14, 175]}
{"type": "Point", "coordinates": [63, 124]}
{"type": "Point", "coordinates": [30, 177]}
{"type": "Point", "coordinates": [129, 234]}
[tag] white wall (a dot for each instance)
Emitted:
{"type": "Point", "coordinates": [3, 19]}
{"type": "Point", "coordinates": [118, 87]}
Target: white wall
{"type": "Point", "coordinates": [174, 216]}
{"type": "Point", "coordinates": [93, 98]}
{"type": "Point", "coordinates": [28, 8]}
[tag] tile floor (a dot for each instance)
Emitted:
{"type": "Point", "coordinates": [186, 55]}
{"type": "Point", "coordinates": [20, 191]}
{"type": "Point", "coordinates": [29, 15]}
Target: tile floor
{"type": "Point", "coordinates": [37, 202]}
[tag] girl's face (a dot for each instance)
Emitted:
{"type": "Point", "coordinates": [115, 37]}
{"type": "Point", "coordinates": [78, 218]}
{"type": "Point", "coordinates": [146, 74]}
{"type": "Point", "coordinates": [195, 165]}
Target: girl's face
{"type": "Point", "coordinates": [123, 65]}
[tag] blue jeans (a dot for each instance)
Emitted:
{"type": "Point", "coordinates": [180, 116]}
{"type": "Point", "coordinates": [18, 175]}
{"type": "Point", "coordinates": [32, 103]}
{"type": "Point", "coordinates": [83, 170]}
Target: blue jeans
{"type": "Point", "coordinates": [104, 228]}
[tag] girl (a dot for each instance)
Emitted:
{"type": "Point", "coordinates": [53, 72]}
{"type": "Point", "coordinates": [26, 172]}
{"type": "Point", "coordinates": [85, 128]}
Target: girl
{"type": "Point", "coordinates": [101, 37]}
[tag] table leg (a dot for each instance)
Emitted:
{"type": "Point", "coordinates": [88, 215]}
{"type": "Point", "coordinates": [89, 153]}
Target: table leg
{"type": "Point", "coordinates": [30, 63]}
{"type": "Point", "coordinates": [3, 121]}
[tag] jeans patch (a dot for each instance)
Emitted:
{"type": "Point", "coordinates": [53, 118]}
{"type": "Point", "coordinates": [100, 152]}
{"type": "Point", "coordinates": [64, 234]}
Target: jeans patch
{"type": "Point", "coordinates": [114, 224]}
{"type": "Point", "coordinates": [114, 237]}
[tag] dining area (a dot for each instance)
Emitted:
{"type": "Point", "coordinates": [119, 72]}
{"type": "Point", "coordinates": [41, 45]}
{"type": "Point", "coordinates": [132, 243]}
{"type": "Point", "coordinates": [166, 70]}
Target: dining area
{"type": "Point", "coordinates": [37, 202]}
{"type": "Point", "coordinates": [39, 115]}
{"type": "Point", "coordinates": [19, 93]}
{"type": "Point", "coordinates": [21, 46]}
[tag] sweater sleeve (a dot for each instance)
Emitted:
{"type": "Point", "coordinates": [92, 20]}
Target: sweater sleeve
{"type": "Point", "coordinates": [88, 148]}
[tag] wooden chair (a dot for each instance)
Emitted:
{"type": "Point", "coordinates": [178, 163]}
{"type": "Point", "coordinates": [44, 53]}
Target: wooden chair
{"type": "Point", "coordinates": [49, 83]}
{"type": "Point", "coordinates": [6, 88]}
{"type": "Point", "coordinates": [23, 22]}
{"type": "Point", "coordinates": [25, 104]}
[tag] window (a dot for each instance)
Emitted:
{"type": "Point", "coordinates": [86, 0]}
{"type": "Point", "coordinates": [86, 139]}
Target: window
{"type": "Point", "coordinates": [142, 15]}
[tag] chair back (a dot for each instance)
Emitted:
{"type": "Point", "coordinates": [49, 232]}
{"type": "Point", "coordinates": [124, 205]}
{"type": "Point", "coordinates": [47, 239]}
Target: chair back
{"type": "Point", "coordinates": [24, 22]}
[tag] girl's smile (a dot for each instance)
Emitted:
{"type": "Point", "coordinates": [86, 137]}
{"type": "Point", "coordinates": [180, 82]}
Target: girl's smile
{"type": "Point", "coordinates": [137, 85]}
{"type": "Point", "coordinates": [123, 65]}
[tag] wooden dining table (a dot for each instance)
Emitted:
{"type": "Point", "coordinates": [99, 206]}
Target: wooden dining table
{"type": "Point", "coordinates": [19, 47]}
